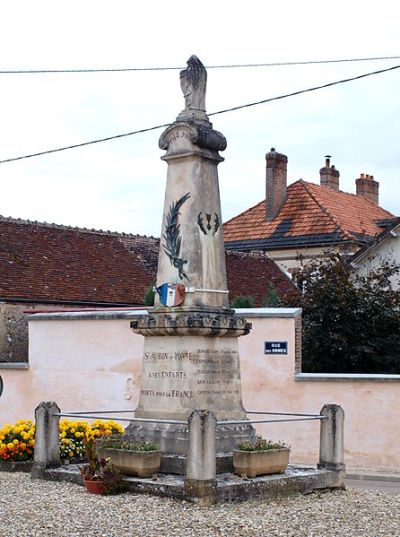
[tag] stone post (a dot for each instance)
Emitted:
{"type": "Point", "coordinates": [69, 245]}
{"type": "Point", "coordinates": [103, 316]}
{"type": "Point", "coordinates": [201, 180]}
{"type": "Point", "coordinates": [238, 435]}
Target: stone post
{"type": "Point", "coordinates": [200, 483]}
{"type": "Point", "coordinates": [331, 450]}
{"type": "Point", "coordinates": [47, 447]}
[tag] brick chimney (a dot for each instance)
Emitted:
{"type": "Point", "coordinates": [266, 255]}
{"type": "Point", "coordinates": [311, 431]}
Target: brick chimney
{"type": "Point", "coordinates": [329, 174]}
{"type": "Point", "coordinates": [367, 187]}
{"type": "Point", "coordinates": [276, 180]}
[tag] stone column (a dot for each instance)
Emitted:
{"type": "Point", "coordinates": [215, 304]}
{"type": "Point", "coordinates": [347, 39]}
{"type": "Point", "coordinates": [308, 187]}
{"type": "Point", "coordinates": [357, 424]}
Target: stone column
{"type": "Point", "coordinates": [331, 450]}
{"type": "Point", "coordinates": [200, 483]}
{"type": "Point", "coordinates": [47, 446]}
{"type": "Point", "coordinates": [201, 455]}
{"type": "Point", "coordinates": [192, 246]}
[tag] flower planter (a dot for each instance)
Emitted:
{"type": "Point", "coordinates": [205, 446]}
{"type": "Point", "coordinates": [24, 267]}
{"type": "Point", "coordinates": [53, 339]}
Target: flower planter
{"type": "Point", "coordinates": [139, 463]}
{"type": "Point", "coordinates": [254, 463]}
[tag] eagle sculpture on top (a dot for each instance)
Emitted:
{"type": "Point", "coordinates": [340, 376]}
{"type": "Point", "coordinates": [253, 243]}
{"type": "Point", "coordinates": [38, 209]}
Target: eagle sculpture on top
{"type": "Point", "coordinates": [193, 83]}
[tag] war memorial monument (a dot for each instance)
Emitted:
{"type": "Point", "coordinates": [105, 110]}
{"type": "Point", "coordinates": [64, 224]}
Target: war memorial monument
{"type": "Point", "coordinates": [190, 399]}
{"type": "Point", "coordinates": [191, 358]}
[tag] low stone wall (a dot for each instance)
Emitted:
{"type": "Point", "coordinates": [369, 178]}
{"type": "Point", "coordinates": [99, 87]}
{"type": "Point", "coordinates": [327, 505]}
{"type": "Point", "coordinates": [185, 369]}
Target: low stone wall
{"type": "Point", "coordinates": [92, 361]}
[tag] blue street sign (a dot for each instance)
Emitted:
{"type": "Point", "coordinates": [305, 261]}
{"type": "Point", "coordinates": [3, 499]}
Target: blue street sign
{"type": "Point", "coordinates": [275, 347]}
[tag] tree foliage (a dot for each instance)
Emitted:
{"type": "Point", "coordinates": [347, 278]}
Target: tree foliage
{"type": "Point", "coordinates": [272, 298]}
{"type": "Point", "coordinates": [243, 302]}
{"type": "Point", "coordinates": [149, 296]}
{"type": "Point", "coordinates": [351, 324]}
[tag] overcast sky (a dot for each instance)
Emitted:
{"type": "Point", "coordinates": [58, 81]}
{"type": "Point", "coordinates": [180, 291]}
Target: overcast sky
{"type": "Point", "coordinates": [119, 185]}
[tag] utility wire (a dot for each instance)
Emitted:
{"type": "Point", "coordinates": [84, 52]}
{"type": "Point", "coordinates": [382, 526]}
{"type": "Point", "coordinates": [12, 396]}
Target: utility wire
{"type": "Point", "coordinates": [232, 66]}
{"type": "Point", "coordinates": [299, 92]}
{"type": "Point", "coordinates": [82, 144]}
{"type": "Point", "coordinates": [329, 84]}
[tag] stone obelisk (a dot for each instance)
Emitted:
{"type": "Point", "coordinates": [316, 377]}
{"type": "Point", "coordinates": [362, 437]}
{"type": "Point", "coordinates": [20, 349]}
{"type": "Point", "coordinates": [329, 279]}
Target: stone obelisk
{"type": "Point", "coordinates": [191, 358]}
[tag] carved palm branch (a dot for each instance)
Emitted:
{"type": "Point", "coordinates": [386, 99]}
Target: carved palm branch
{"type": "Point", "coordinates": [171, 235]}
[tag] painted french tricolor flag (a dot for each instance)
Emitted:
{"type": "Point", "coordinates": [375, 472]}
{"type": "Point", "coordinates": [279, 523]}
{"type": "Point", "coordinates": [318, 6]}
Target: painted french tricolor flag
{"type": "Point", "coordinates": [171, 294]}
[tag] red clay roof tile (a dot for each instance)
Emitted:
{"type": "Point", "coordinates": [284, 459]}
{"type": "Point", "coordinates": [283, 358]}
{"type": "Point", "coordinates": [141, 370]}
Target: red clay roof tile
{"type": "Point", "coordinates": [310, 210]}
{"type": "Point", "coordinates": [45, 263]}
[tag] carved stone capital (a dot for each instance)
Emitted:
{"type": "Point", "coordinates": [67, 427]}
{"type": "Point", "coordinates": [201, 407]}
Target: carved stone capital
{"type": "Point", "coordinates": [198, 135]}
{"type": "Point", "coordinates": [191, 324]}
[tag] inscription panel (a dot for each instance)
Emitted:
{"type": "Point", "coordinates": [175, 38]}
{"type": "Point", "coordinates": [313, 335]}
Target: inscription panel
{"type": "Point", "coordinates": [175, 382]}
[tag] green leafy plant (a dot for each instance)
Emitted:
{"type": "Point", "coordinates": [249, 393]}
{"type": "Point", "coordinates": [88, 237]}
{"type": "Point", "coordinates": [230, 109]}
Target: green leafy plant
{"type": "Point", "coordinates": [149, 296]}
{"type": "Point", "coordinates": [261, 444]}
{"type": "Point", "coordinates": [272, 298]}
{"type": "Point", "coordinates": [243, 302]}
{"type": "Point", "coordinates": [127, 444]}
{"type": "Point", "coordinates": [97, 469]}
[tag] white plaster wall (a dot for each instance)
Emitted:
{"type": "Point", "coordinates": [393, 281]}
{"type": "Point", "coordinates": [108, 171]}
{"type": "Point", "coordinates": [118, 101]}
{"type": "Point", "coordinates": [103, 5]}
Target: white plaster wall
{"type": "Point", "coordinates": [388, 249]}
{"type": "Point", "coordinates": [80, 364]}
{"type": "Point", "coordinates": [88, 364]}
{"type": "Point", "coordinates": [372, 411]}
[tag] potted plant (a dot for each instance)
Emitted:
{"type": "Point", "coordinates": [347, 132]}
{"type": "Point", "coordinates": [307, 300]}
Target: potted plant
{"type": "Point", "coordinates": [261, 457]}
{"type": "Point", "coordinates": [131, 456]}
{"type": "Point", "coordinates": [99, 476]}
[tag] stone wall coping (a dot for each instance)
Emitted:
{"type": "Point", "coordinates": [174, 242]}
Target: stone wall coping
{"type": "Point", "coordinates": [14, 365]}
{"type": "Point", "coordinates": [131, 314]}
{"type": "Point", "coordinates": [269, 312]}
{"type": "Point", "coordinates": [345, 377]}
{"type": "Point", "coordinates": [86, 315]}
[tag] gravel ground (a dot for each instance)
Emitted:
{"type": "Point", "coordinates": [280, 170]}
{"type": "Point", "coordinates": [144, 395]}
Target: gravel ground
{"type": "Point", "coordinates": [35, 508]}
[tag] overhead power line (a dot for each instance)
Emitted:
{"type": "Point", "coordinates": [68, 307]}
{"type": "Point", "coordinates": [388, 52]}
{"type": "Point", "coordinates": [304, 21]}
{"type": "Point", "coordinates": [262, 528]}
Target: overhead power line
{"type": "Point", "coordinates": [230, 66]}
{"type": "Point", "coordinates": [299, 92]}
{"type": "Point", "coordinates": [234, 108]}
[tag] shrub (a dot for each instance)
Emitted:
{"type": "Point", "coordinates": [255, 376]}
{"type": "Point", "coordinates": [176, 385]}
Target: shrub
{"type": "Point", "coordinates": [73, 434]}
{"type": "Point", "coordinates": [243, 302]}
{"type": "Point", "coordinates": [351, 324]}
{"type": "Point", "coordinates": [272, 298]}
{"type": "Point", "coordinates": [17, 441]}
{"type": "Point", "coordinates": [149, 296]}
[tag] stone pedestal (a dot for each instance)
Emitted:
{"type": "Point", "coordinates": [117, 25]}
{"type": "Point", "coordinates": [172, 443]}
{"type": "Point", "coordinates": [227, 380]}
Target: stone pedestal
{"type": "Point", "coordinates": [190, 362]}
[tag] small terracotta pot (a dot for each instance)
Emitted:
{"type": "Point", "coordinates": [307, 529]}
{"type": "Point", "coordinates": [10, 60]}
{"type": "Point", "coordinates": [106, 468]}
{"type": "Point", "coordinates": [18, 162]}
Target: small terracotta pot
{"type": "Point", "coordinates": [97, 486]}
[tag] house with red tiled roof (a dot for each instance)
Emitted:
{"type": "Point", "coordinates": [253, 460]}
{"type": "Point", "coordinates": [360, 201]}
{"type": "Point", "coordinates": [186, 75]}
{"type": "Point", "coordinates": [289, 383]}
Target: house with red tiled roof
{"type": "Point", "coordinates": [52, 266]}
{"type": "Point", "coordinates": [385, 247]}
{"type": "Point", "coordinates": [305, 220]}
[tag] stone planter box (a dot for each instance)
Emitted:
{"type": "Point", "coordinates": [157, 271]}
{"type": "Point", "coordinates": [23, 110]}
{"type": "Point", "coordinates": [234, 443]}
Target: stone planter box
{"type": "Point", "coordinates": [254, 463]}
{"type": "Point", "coordinates": [140, 463]}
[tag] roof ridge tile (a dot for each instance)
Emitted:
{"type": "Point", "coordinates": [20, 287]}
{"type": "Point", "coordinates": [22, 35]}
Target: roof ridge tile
{"type": "Point", "coordinates": [11, 220]}
{"type": "Point", "coordinates": [324, 209]}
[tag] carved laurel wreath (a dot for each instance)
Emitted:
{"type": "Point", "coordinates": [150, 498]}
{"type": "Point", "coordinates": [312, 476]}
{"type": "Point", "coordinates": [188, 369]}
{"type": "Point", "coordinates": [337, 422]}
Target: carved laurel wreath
{"type": "Point", "coordinates": [172, 238]}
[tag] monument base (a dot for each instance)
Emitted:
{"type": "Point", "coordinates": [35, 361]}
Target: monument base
{"type": "Point", "coordinates": [229, 487]}
{"type": "Point", "coordinates": [174, 443]}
